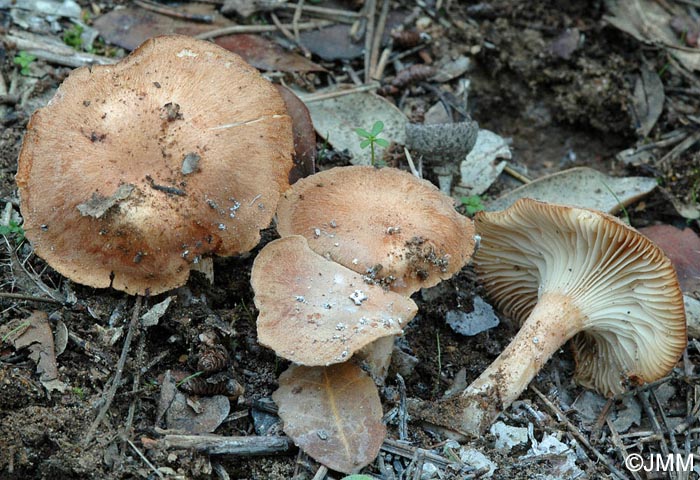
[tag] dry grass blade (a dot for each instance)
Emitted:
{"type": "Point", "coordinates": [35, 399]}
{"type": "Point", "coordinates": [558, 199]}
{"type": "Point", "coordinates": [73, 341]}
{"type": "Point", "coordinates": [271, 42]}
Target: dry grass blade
{"type": "Point", "coordinates": [332, 413]}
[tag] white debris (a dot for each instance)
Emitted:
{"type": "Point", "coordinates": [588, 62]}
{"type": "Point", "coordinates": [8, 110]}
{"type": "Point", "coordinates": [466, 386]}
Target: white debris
{"type": "Point", "coordinates": [358, 296]}
{"type": "Point", "coordinates": [474, 458]}
{"type": "Point", "coordinates": [508, 437]}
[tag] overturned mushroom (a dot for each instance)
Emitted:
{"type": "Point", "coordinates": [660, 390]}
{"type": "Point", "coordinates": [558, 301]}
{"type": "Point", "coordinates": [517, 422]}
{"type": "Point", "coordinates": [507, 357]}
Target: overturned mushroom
{"type": "Point", "coordinates": [571, 273]}
{"type": "Point", "coordinates": [316, 312]}
{"type": "Point", "coordinates": [135, 171]}
{"type": "Point", "coordinates": [397, 229]}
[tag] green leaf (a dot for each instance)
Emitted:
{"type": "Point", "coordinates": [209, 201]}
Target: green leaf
{"type": "Point", "coordinates": [365, 143]}
{"type": "Point", "coordinates": [381, 142]}
{"type": "Point", "coordinates": [377, 128]}
{"type": "Point", "coordinates": [363, 133]}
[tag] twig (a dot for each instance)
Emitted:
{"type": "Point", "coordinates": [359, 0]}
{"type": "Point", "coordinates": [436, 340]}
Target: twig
{"type": "Point", "coordinates": [371, 6]}
{"type": "Point", "coordinates": [145, 460]}
{"type": "Point", "coordinates": [321, 473]}
{"type": "Point", "coordinates": [30, 298]}
{"type": "Point", "coordinates": [405, 450]}
{"type": "Point", "coordinates": [54, 51]}
{"type": "Point", "coordinates": [377, 40]}
{"type": "Point", "coordinates": [221, 445]}
{"type": "Point", "coordinates": [332, 12]}
{"type": "Point", "coordinates": [295, 20]}
{"type": "Point", "coordinates": [516, 174]}
{"type": "Point", "coordinates": [154, 7]}
{"type": "Point", "coordinates": [617, 441]}
{"type": "Point", "coordinates": [135, 387]}
{"type": "Point", "coordinates": [577, 434]}
{"type": "Point", "coordinates": [117, 375]}
{"type": "Point", "coordinates": [339, 93]}
{"type": "Point", "coordinates": [260, 29]}
{"type": "Point", "coordinates": [285, 31]}
{"type": "Point", "coordinates": [644, 399]}
{"type": "Point", "coordinates": [680, 148]}
{"type": "Point", "coordinates": [403, 414]}
{"type": "Point", "coordinates": [409, 159]}
{"type": "Point", "coordinates": [381, 66]}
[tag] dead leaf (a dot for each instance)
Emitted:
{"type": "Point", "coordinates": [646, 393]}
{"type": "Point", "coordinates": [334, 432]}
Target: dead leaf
{"type": "Point", "coordinates": [648, 100]}
{"type": "Point", "coordinates": [195, 416]}
{"type": "Point", "coordinates": [682, 247]}
{"type": "Point", "coordinates": [38, 338]}
{"type": "Point", "coordinates": [154, 314]}
{"type": "Point", "coordinates": [130, 27]}
{"type": "Point", "coordinates": [98, 205]}
{"type": "Point", "coordinates": [375, 358]}
{"type": "Point", "coordinates": [337, 118]}
{"type": "Point", "coordinates": [480, 169]}
{"type": "Point", "coordinates": [332, 43]}
{"type": "Point", "coordinates": [304, 135]}
{"type": "Point", "coordinates": [332, 413]}
{"type": "Point", "coordinates": [316, 312]}
{"type": "Point", "coordinates": [580, 187]}
{"type": "Point", "coordinates": [267, 55]}
{"type": "Point", "coordinates": [648, 21]}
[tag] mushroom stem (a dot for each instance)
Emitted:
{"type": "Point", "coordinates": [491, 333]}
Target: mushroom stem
{"type": "Point", "coordinates": [553, 321]}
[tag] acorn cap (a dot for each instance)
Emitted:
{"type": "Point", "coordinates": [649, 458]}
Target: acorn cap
{"type": "Point", "coordinates": [316, 312]}
{"type": "Point", "coordinates": [626, 289]}
{"type": "Point", "coordinates": [134, 171]}
{"type": "Point", "coordinates": [400, 230]}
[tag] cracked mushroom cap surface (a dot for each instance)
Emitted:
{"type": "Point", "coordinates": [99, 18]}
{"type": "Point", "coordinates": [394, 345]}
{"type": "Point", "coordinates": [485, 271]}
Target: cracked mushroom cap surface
{"type": "Point", "coordinates": [316, 312]}
{"type": "Point", "coordinates": [626, 288]}
{"type": "Point", "coordinates": [136, 170]}
{"type": "Point", "coordinates": [399, 230]}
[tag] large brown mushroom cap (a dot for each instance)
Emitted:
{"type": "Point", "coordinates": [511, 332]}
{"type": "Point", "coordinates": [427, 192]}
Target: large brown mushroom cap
{"type": "Point", "coordinates": [384, 221]}
{"type": "Point", "coordinates": [622, 284]}
{"type": "Point", "coordinates": [315, 312]}
{"type": "Point", "coordinates": [134, 171]}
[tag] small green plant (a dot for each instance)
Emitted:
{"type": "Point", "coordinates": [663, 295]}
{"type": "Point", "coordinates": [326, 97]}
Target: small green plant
{"type": "Point", "coordinates": [625, 214]}
{"type": "Point", "coordinates": [371, 138]}
{"type": "Point", "coordinates": [78, 392]}
{"type": "Point", "coordinates": [13, 229]}
{"type": "Point", "coordinates": [188, 378]}
{"type": "Point", "coordinates": [23, 60]}
{"type": "Point", "coordinates": [17, 329]}
{"type": "Point", "coordinates": [71, 37]}
{"type": "Point", "coordinates": [472, 204]}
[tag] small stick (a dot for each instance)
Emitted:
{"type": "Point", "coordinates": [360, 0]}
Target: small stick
{"type": "Point", "coordinates": [145, 460]}
{"type": "Point", "coordinates": [30, 298]}
{"type": "Point", "coordinates": [617, 441]}
{"type": "Point", "coordinates": [381, 66]}
{"type": "Point", "coordinates": [133, 324]}
{"type": "Point", "coordinates": [377, 40]}
{"type": "Point", "coordinates": [577, 434]}
{"type": "Point", "coordinates": [515, 174]}
{"type": "Point", "coordinates": [154, 7]}
{"type": "Point", "coordinates": [295, 20]}
{"type": "Point", "coordinates": [321, 473]}
{"type": "Point", "coordinates": [285, 31]}
{"type": "Point", "coordinates": [260, 29]}
{"type": "Point", "coordinates": [221, 445]}
{"type": "Point", "coordinates": [369, 37]}
{"type": "Point", "coordinates": [403, 414]}
{"type": "Point", "coordinates": [409, 159]}
{"type": "Point", "coordinates": [322, 10]}
{"type": "Point", "coordinates": [339, 93]}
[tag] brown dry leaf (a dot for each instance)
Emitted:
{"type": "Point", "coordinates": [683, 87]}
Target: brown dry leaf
{"type": "Point", "coordinates": [130, 27]}
{"type": "Point", "coordinates": [267, 55]}
{"type": "Point", "coordinates": [648, 100]}
{"type": "Point", "coordinates": [316, 312]}
{"type": "Point", "coordinates": [38, 338]}
{"type": "Point", "coordinates": [332, 413]}
{"type": "Point", "coordinates": [683, 249]}
{"type": "Point", "coordinates": [304, 135]}
{"type": "Point", "coordinates": [196, 415]}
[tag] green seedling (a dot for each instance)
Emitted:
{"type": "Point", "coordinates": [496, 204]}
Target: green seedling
{"type": "Point", "coordinates": [13, 229]}
{"type": "Point", "coordinates": [371, 138]}
{"type": "Point", "coordinates": [71, 37]}
{"type": "Point", "coordinates": [472, 204]}
{"type": "Point", "coordinates": [78, 392]}
{"type": "Point", "coordinates": [23, 60]}
{"type": "Point", "coordinates": [15, 330]}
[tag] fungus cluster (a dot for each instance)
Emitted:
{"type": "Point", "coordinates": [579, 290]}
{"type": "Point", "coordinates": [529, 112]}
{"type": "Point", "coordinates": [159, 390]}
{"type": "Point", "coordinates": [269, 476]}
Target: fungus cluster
{"type": "Point", "coordinates": [357, 241]}
{"type": "Point", "coordinates": [135, 171]}
{"type": "Point", "coordinates": [570, 273]}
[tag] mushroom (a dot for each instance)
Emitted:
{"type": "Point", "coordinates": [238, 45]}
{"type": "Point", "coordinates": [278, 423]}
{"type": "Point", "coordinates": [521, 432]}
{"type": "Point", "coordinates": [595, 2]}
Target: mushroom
{"type": "Point", "coordinates": [135, 171]}
{"type": "Point", "coordinates": [316, 312]}
{"type": "Point", "coordinates": [397, 229]}
{"type": "Point", "coordinates": [572, 273]}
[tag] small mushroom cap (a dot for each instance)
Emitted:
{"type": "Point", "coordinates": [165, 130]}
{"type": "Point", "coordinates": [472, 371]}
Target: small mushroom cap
{"type": "Point", "coordinates": [625, 287]}
{"type": "Point", "coordinates": [315, 312]}
{"type": "Point", "coordinates": [385, 221]}
{"type": "Point", "coordinates": [135, 170]}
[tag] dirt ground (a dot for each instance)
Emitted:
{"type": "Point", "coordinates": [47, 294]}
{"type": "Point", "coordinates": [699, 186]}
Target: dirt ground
{"type": "Point", "coordinates": [561, 106]}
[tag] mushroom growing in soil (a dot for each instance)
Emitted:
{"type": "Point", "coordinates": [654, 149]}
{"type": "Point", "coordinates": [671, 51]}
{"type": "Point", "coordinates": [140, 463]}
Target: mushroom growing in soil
{"type": "Point", "coordinates": [316, 312]}
{"type": "Point", "coordinates": [398, 230]}
{"type": "Point", "coordinates": [571, 273]}
{"type": "Point", "coordinates": [135, 171]}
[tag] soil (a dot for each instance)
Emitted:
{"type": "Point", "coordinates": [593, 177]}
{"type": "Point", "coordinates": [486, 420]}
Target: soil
{"type": "Point", "coordinates": [560, 109]}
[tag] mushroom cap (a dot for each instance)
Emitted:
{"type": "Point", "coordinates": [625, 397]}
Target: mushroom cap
{"type": "Point", "coordinates": [134, 171]}
{"type": "Point", "coordinates": [315, 312]}
{"type": "Point", "coordinates": [623, 284]}
{"type": "Point", "coordinates": [363, 217]}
